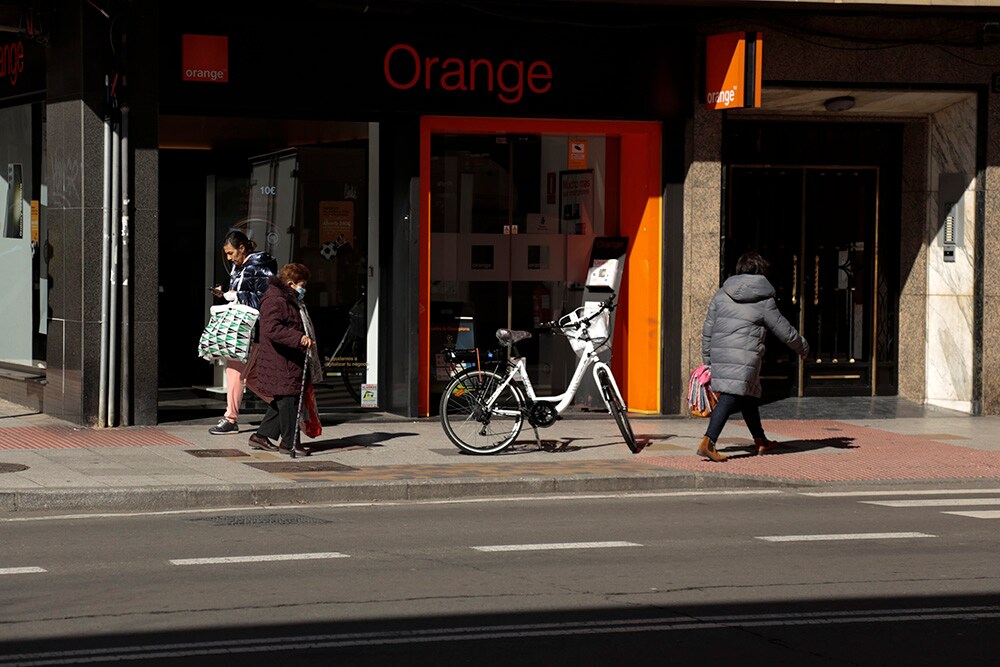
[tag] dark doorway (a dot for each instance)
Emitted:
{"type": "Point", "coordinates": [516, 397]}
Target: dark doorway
{"type": "Point", "coordinates": [828, 232]}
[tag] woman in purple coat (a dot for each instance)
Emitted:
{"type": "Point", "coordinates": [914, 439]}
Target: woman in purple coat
{"type": "Point", "coordinates": [275, 373]}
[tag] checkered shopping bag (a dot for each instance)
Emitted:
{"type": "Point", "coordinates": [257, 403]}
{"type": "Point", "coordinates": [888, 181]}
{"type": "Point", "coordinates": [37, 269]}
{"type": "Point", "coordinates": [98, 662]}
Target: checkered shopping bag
{"type": "Point", "coordinates": [229, 333]}
{"type": "Point", "coordinates": [701, 398]}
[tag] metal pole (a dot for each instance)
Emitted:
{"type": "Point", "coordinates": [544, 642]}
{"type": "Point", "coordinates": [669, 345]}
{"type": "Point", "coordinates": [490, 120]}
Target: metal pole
{"type": "Point", "coordinates": [298, 412]}
{"type": "Point", "coordinates": [102, 399]}
{"type": "Point", "coordinates": [126, 350]}
{"type": "Point", "coordinates": [116, 178]}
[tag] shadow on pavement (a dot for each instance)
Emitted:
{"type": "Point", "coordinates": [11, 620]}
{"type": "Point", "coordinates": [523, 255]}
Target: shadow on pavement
{"type": "Point", "coordinates": [791, 447]}
{"type": "Point", "coordinates": [366, 440]}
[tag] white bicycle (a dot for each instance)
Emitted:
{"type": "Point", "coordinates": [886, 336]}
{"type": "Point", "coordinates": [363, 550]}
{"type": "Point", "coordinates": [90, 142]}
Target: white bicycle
{"type": "Point", "coordinates": [483, 410]}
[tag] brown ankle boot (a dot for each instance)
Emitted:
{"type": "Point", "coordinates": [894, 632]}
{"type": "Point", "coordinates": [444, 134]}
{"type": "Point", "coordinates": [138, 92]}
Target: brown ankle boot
{"type": "Point", "coordinates": [764, 445]}
{"type": "Point", "coordinates": [707, 449]}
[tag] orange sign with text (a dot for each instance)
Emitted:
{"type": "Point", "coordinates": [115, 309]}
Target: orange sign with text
{"type": "Point", "coordinates": [733, 66]}
{"type": "Point", "coordinates": [205, 58]}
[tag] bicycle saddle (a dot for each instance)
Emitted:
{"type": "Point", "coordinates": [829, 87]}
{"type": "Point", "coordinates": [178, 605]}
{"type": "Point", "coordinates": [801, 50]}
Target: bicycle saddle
{"type": "Point", "coordinates": [510, 336]}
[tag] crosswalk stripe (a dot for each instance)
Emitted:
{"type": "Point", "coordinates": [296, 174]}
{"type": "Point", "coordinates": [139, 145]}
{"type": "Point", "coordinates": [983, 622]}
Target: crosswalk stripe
{"type": "Point", "coordinates": [21, 570]}
{"type": "Point", "coordinates": [557, 545]}
{"type": "Point", "coordinates": [257, 559]}
{"type": "Point", "coordinates": [841, 536]}
{"type": "Point", "coordinates": [934, 502]}
{"type": "Point", "coordinates": [978, 514]}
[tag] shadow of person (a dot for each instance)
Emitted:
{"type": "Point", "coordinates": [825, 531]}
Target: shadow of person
{"type": "Point", "coordinates": [360, 441]}
{"type": "Point", "coordinates": [791, 447]}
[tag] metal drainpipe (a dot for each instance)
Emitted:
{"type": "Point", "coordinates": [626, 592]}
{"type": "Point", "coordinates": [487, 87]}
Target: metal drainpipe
{"type": "Point", "coordinates": [102, 399]}
{"type": "Point", "coordinates": [126, 351]}
{"type": "Point", "coordinates": [116, 179]}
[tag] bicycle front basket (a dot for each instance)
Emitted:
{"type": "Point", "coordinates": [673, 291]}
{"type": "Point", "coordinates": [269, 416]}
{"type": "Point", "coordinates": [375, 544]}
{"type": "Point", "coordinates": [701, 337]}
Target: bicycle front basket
{"type": "Point", "coordinates": [597, 329]}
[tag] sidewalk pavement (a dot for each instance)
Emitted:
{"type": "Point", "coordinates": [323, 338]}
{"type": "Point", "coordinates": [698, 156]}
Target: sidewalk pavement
{"type": "Point", "coordinates": [49, 465]}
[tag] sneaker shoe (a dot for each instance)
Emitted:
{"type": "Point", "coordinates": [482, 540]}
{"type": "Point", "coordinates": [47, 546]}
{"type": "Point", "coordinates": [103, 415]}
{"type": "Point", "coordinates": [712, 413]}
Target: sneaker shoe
{"type": "Point", "coordinates": [224, 427]}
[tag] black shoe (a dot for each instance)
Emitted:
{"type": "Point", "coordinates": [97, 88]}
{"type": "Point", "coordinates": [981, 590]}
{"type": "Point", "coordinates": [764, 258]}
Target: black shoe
{"type": "Point", "coordinates": [260, 442]}
{"type": "Point", "coordinates": [300, 450]}
{"type": "Point", "coordinates": [224, 427]}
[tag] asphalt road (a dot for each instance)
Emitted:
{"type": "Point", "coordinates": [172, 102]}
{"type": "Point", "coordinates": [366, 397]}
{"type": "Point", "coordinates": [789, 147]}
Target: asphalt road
{"type": "Point", "coordinates": [757, 577]}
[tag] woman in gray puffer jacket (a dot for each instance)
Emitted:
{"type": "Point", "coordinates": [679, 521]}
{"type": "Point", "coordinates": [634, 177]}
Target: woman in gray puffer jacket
{"type": "Point", "coordinates": [732, 345]}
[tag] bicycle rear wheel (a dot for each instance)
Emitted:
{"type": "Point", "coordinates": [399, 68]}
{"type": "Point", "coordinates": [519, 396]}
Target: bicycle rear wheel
{"type": "Point", "coordinates": [469, 424]}
{"type": "Point", "coordinates": [617, 410]}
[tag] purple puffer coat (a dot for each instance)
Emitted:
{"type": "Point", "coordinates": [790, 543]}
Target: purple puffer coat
{"type": "Point", "coordinates": [276, 365]}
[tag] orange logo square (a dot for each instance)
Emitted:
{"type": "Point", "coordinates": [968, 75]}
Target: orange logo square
{"type": "Point", "coordinates": [205, 58]}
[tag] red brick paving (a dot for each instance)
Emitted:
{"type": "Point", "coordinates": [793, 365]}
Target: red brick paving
{"type": "Point", "coordinates": [831, 451]}
{"type": "Point", "coordinates": [67, 437]}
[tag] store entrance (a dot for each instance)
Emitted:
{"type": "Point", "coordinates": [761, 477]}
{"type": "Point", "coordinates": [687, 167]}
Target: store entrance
{"type": "Point", "coordinates": [512, 227]}
{"type": "Point", "coordinates": [819, 228]}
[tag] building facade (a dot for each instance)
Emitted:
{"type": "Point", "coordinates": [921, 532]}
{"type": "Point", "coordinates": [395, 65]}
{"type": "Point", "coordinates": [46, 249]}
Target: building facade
{"type": "Point", "coordinates": [447, 170]}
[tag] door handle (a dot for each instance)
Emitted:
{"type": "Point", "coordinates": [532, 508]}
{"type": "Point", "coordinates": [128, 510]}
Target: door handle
{"type": "Point", "coordinates": [795, 278]}
{"type": "Point", "coordinates": [816, 284]}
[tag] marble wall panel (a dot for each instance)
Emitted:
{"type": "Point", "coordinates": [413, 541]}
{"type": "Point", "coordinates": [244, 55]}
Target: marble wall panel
{"type": "Point", "coordinates": [991, 235]}
{"type": "Point", "coordinates": [949, 348]}
{"type": "Point", "coordinates": [950, 285]}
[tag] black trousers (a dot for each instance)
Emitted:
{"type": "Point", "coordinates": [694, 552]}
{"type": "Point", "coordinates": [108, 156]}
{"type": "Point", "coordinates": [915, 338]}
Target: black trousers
{"type": "Point", "coordinates": [279, 420]}
{"type": "Point", "coordinates": [729, 404]}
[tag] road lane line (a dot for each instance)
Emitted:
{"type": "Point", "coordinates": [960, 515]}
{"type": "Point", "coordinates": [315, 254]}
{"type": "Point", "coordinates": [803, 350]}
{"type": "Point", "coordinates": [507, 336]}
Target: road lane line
{"type": "Point", "coordinates": [257, 559]}
{"type": "Point", "coordinates": [934, 502]}
{"type": "Point", "coordinates": [978, 514]}
{"type": "Point", "coordinates": [909, 492]}
{"type": "Point", "coordinates": [274, 644]}
{"type": "Point", "coordinates": [556, 545]}
{"type": "Point", "coordinates": [840, 536]}
{"type": "Point", "coordinates": [21, 570]}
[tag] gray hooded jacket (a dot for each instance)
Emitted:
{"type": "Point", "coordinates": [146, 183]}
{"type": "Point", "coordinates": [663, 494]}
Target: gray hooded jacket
{"type": "Point", "coordinates": [732, 338]}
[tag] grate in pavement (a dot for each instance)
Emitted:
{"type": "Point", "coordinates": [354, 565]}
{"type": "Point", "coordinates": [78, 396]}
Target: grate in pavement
{"type": "Point", "coordinates": [12, 467]}
{"type": "Point", "coordinates": [304, 466]}
{"type": "Point", "coordinates": [216, 453]}
{"type": "Point", "coordinates": [264, 519]}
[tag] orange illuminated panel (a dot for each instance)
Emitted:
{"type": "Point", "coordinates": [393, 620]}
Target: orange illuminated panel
{"type": "Point", "coordinates": [636, 360]}
{"type": "Point", "coordinates": [205, 58]}
{"type": "Point", "coordinates": [733, 70]}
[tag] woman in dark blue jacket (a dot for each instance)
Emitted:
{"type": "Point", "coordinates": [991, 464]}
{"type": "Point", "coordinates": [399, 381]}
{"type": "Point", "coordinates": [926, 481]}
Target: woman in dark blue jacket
{"type": "Point", "coordinates": [247, 284]}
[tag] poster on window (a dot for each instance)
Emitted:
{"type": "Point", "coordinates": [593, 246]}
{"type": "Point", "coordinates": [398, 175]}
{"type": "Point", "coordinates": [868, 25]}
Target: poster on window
{"type": "Point", "coordinates": [13, 222]}
{"type": "Point", "coordinates": [576, 201]}
{"type": "Point", "coordinates": [336, 222]}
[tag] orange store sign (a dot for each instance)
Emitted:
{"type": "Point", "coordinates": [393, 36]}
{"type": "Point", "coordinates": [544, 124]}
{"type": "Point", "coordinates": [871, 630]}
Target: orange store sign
{"type": "Point", "coordinates": [732, 70]}
{"type": "Point", "coordinates": [205, 58]}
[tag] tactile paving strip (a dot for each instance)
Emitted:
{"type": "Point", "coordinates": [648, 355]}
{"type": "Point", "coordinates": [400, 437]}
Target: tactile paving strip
{"type": "Point", "coordinates": [826, 451]}
{"type": "Point", "coordinates": [67, 437]}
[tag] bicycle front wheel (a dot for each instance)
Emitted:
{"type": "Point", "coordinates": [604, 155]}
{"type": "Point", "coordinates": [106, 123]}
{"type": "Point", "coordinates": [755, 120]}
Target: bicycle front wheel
{"type": "Point", "coordinates": [467, 421]}
{"type": "Point", "coordinates": [617, 410]}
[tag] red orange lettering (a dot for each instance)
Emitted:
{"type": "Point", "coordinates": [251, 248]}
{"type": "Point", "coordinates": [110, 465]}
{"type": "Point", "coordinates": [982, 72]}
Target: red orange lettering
{"type": "Point", "coordinates": [405, 69]}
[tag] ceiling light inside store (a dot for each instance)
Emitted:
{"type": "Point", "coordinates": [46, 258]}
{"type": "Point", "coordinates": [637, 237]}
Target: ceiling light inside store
{"type": "Point", "coordinates": [842, 103]}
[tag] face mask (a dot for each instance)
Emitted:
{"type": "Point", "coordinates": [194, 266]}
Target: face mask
{"type": "Point", "coordinates": [301, 290]}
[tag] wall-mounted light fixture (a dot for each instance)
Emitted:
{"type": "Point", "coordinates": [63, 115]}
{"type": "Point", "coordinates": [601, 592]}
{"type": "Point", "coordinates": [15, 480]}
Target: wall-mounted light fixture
{"type": "Point", "coordinates": [842, 103]}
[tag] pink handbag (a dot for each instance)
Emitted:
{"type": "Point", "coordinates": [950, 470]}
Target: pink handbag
{"type": "Point", "coordinates": [701, 398]}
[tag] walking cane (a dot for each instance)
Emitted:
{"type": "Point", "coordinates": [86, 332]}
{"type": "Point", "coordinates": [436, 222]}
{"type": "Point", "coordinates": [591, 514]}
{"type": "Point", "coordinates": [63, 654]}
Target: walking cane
{"type": "Point", "coordinates": [298, 412]}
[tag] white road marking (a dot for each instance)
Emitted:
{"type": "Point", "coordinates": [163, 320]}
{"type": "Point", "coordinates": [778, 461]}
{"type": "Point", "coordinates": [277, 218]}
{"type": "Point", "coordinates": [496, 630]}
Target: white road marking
{"type": "Point", "coordinates": [934, 502]}
{"type": "Point", "coordinates": [556, 545]}
{"type": "Point", "coordinates": [909, 492]}
{"type": "Point", "coordinates": [841, 536]}
{"type": "Point", "coordinates": [396, 503]}
{"type": "Point", "coordinates": [257, 559]}
{"type": "Point", "coordinates": [978, 514]}
{"type": "Point", "coordinates": [275, 644]}
{"type": "Point", "coordinates": [21, 570]}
